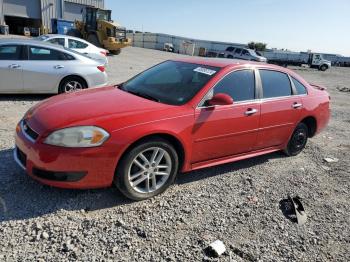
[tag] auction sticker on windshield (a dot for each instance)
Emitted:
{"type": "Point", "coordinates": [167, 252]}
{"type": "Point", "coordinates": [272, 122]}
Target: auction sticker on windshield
{"type": "Point", "coordinates": [206, 71]}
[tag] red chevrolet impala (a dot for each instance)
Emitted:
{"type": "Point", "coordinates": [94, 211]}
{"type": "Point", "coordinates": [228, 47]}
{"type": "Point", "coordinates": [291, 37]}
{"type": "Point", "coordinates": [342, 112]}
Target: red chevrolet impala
{"type": "Point", "coordinates": [180, 115]}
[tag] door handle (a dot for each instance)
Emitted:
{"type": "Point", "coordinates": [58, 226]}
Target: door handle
{"type": "Point", "coordinates": [297, 105]}
{"type": "Point", "coordinates": [58, 66]}
{"type": "Point", "coordinates": [14, 66]}
{"type": "Point", "coordinates": [251, 111]}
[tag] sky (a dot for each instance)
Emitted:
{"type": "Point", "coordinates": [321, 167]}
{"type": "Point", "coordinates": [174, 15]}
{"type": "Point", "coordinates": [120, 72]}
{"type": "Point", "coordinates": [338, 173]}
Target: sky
{"type": "Point", "coordinates": [298, 25]}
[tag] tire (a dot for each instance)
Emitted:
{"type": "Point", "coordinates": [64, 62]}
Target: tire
{"type": "Point", "coordinates": [323, 68]}
{"type": "Point", "coordinates": [116, 52]}
{"type": "Point", "coordinates": [298, 140]}
{"type": "Point", "coordinates": [71, 84]}
{"type": "Point", "coordinates": [132, 180]}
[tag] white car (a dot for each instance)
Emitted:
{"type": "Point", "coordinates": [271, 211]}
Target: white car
{"type": "Point", "coordinates": [33, 67]}
{"type": "Point", "coordinates": [77, 44]}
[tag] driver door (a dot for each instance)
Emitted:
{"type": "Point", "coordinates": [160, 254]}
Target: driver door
{"type": "Point", "coordinates": [224, 131]}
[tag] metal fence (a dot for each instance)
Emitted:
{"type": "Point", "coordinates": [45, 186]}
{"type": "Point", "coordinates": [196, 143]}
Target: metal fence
{"type": "Point", "coordinates": [157, 41]}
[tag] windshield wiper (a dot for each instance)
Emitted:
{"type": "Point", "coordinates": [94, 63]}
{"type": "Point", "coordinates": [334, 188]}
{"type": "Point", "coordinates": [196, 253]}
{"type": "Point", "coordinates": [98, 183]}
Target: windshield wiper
{"type": "Point", "coordinates": [149, 97]}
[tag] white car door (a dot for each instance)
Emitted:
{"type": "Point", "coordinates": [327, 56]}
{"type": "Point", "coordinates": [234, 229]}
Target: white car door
{"type": "Point", "coordinates": [43, 70]}
{"type": "Point", "coordinates": [11, 73]}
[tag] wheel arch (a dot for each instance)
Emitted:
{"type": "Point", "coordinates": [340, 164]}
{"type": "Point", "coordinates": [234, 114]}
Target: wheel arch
{"type": "Point", "coordinates": [311, 123]}
{"type": "Point", "coordinates": [173, 140]}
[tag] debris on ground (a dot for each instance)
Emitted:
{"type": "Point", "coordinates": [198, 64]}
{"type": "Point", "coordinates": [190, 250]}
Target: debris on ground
{"type": "Point", "coordinates": [331, 159]}
{"type": "Point", "coordinates": [343, 88]}
{"type": "Point", "coordinates": [216, 249]}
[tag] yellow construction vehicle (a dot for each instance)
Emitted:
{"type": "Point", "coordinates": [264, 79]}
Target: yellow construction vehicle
{"type": "Point", "coordinates": [98, 28]}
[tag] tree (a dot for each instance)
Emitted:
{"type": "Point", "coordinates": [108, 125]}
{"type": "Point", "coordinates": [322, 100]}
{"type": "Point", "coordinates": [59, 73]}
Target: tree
{"type": "Point", "coordinates": [257, 46]}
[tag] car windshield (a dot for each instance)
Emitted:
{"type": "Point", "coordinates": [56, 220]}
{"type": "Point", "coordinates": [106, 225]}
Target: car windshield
{"type": "Point", "coordinates": [171, 82]}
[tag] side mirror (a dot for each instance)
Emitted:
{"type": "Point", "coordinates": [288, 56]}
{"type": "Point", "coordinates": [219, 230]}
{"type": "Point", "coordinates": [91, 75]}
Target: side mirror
{"type": "Point", "coordinates": [220, 99]}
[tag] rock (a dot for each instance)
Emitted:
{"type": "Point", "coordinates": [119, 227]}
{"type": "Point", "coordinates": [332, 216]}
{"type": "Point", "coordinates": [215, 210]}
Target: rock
{"type": "Point", "coordinates": [44, 235]}
{"type": "Point", "coordinates": [326, 168]}
{"type": "Point", "coordinates": [114, 249]}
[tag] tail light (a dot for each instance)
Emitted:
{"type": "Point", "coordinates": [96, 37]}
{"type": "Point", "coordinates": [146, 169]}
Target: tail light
{"type": "Point", "coordinates": [101, 68]}
{"type": "Point", "coordinates": [103, 53]}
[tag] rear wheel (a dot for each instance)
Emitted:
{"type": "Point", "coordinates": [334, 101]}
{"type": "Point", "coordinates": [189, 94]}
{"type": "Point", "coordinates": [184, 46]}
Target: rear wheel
{"type": "Point", "coordinates": [298, 140]}
{"type": "Point", "coordinates": [71, 84]}
{"type": "Point", "coordinates": [147, 170]}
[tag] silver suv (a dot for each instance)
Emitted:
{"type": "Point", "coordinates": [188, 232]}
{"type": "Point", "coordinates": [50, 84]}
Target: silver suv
{"type": "Point", "coordinates": [242, 53]}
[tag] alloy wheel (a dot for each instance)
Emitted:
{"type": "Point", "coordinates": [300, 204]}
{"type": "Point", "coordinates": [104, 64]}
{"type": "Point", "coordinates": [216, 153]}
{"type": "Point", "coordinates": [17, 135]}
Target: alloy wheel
{"type": "Point", "coordinates": [72, 86]}
{"type": "Point", "coordinates": [150, 170]}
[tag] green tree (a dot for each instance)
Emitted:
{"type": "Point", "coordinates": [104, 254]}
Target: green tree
{"type": "Point", "coordinates": [257, 46]}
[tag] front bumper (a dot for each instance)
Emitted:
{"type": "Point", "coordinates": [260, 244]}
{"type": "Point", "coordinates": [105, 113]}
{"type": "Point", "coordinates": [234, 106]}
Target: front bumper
{"type": "Point", "coordinates": [75, 168]}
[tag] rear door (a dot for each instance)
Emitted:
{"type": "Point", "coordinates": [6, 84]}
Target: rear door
{"type": "Point", "coordinates": [280, 109]}
{"type": "Point", "coordinates": [44, 69]}
{"type": "Point", "coordinates": [11, 72]}
{"type": "Point", "coordinates": [223, 131]}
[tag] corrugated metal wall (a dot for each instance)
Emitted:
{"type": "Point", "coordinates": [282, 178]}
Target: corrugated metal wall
{"type": "Point", "coordinates": [48, 11]}
{"type": "Point", "coordinates": [157, 41]}
{"type": "Point", "coordinates": [1, 13]}
{"type": "Point", "coordinates": [96, 3]}
{"type": "Point", "coordinates": [22, 8]}
{"type": "Point", "coordinates": [53, 9]}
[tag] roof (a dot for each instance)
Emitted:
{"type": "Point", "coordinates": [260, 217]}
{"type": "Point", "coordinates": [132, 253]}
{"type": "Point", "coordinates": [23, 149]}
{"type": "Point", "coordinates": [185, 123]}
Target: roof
{"type": "Point", "coordinates": [216, 62]}
{"type": "Point", "coordinates": [26, 41]}
{"type": "Point", "coordinates": [65, 36]}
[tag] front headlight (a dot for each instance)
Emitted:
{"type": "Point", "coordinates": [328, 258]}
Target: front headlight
{"type": "Point", "coordinates": [81, 136]}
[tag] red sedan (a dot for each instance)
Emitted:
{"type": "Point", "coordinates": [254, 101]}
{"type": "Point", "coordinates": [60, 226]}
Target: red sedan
{"type": "Point", "coordinates": [180, 115]}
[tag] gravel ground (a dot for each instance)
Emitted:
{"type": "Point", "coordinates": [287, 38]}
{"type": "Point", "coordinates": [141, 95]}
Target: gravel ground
{"type": "Point", "coordinates": [238, 203]}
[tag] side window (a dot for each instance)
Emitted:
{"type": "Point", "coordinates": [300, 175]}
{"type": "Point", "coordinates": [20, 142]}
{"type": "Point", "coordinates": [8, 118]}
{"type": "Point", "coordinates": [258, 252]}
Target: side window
{"type": "Point", "coordinates": [57, 41]}
{"type": "Point", "coordinates": [245, 52]}
{"type": "Point", "coordinates": [41, 53]}
{"type": "Point", "coordinates": [275, 84]}
{"type": "Point", "coordinates": [238, 51]}
{"type": "Point", "coordinates": [10, 52]}
{"type": "Point", "coordinates": [230, 49]}
{"type": "Point", "coordinates": [301, 89]}
{"type": "Point", "coordinates": [76, 44]}
{"type": "Point", "coordinates": [240, 85]}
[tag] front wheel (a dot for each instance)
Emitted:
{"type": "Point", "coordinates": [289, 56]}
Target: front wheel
{"type": "Point", "coordinates": [298, 140]}
{"type": "Point", "coordinates": [147, 170]}
{"type": "Point", "coordinates": [323, 68]}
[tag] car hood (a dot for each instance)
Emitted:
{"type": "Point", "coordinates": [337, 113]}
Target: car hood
{"type": "Point", "coordinates": [108, 107]}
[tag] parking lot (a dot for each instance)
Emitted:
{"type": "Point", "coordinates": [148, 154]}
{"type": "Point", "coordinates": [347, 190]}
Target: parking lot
{"type": "Point", "coordinates": [238, 203]}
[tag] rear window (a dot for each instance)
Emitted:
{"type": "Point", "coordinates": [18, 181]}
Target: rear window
{"type": "Point", "coordinates": [10, 52]}
{"type": "Point", "coordinates": [301, 89]}
{"type": "Point", "coordinates": [275, 84]}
